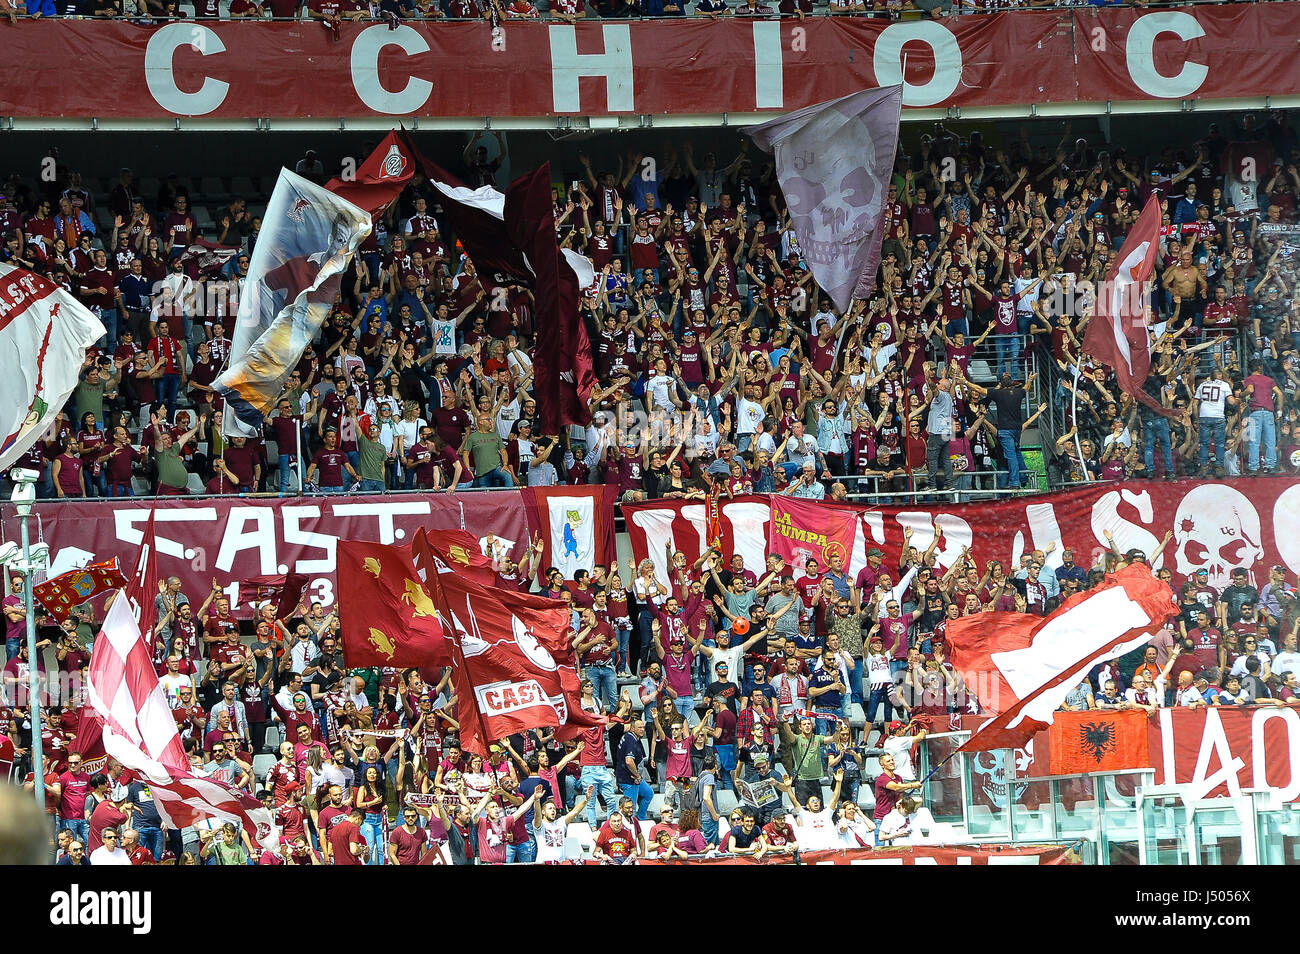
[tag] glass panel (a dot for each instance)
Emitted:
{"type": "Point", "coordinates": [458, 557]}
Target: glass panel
{"type": "Point", "coordinates": [1218, 836]}
{"type": "Point", "coordinates": [1076, 808]}
{"type": "Point", "coordinates": [1279, 836]}
{"type": "Point", "coordinates": [987, 781]}
{"type": "Point", "coordinates": [1033, 815]}
{"type": "Point", "coordinates": [943, 792]}
{"type": "Point", "coordinates": [1119, 822]}
{"type": "Point", "coordinates": [1165, 818]}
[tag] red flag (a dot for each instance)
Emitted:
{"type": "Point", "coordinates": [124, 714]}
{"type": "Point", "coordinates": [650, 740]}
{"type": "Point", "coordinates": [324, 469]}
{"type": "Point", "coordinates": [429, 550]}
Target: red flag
{"type": "Point", "coordinates": [512, 664]}
{"type": "Point", "coordinates": [460, 550]}
{"type": "Point", "coordinates": [1059, 650]}
{"type": "Point", "coordinates": [381, 178]}
{"type": "Point", "coordinates": [562, 363]}
{"type": "Point", "coordinates": [140, 732]}
{"type": "Point", "coordinates": [285, 590]}
{"type": "Point", "coordinates": [1117, 335]}
{"type": "Point", "coordinates": [387, 616]}
{"type": "Point", "coordinates": [208, 257]}
{"type": "Point", "coordinates": [73, 588]}
{"type": "Point", "coordinates": [801, 529]}
{"type": "Point", "coordinates": [1102, 740]}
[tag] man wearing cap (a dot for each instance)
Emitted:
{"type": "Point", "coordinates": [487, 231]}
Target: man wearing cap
{"type": "Point", "coordinates": [869, 575]}
{"type": "Point", "coordinates": [1271, 595]}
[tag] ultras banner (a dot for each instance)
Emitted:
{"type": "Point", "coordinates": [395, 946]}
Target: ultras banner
{"type": "Point", "coordinates": [233, 539]}
{"type": "Point", "coordinates": [915, 855]}
{"type": "Point", "coordinates": [1214, 525]}
{"type": "Point", "coordinates": [695, 66]}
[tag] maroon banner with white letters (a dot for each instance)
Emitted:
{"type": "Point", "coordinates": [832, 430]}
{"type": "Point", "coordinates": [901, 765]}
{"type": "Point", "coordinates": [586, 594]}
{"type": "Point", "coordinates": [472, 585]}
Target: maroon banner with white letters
{"type": "Point", "coordinates": [1223, 750]}
{"type": "Point", "coordinates": [245, 70]}
{"type": "Point", "coordinates": [233, 539]}
{"type": "Point", "coordinates": [1219, 526]}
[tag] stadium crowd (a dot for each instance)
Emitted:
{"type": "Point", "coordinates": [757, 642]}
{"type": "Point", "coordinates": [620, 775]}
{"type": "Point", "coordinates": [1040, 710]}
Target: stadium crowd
{"type": "Point", "coordinates": [719, 360]}
{"type": "Point", "coordinates": [760, 714]}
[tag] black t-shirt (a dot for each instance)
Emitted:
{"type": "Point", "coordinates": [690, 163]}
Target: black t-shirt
{"type": "Point", "coordinates": [146, 814]}
{"type": "Point", "coordinates": [1009, 405]}
{"type": "Point", "coordinates": [743, 839]}
{"type": "Point", "coordinates": [725, 689]}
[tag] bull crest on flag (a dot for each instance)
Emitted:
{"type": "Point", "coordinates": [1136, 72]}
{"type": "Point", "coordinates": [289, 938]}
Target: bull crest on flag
{"type": "Point", "coordinates": [415, 597]}
{"type": "Point", "coordinates": [381, 642]}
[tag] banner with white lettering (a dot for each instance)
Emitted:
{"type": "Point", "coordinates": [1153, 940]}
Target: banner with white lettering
{"type": "Point", "coordinates": [1215, 527]}
{"type": "Point", "coordinates": [228, 70]}
{"type": "Point", "coordinates": [234, 539]}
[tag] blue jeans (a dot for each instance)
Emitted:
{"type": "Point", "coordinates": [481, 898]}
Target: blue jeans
{"type": "Point", "coordinates": [1157, 432]}
{"type": "Point", "coordinates": [726, 764]}
{"type": "Point", "coordinates": [879, 696]}
{"type": "Point", "coordinates": [1009, 441]}
{"type": "Point", "coordinates": [685, 705]}
{"type": "Point", "coordinates": [603, 779]}
{"type": "Point", "coordinates": [286, 468]}
{"type": "Point", "coordinates": [605, 685]}
{"type": "Point", "coordinates": [494, 478]}
{"type": "Point", "coordinates": [708, 827]}
{"type": "Point", "coordinates": [641, 793]}
{"type": "Point", "coordinates": [622, 661]}
{"type": "Point", "coordinates": [169, 386]}
{"type": "Point", "coordinates": [152, 839]}
{"type": "Point", "coordinates": [1261, 429]}
{"type": "Point", "coordinates": [371, 486]}
{"type": "Point", "coordinates": [80, 828]}
{"type": "Point", "coordinates": [1212, 429]}
{"type": "Point", "coordinates": [524, 854]}
{"type": "Point", "coordinates": [12, 646]}
{"type": "Point", "coordinates": [372, 830]}
{"type": "Point", "coordinates": [1008, 350]}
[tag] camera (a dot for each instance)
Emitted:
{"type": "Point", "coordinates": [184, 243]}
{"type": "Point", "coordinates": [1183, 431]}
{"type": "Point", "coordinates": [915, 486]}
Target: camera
{"type": "Point", "coordinates": [21, 475]}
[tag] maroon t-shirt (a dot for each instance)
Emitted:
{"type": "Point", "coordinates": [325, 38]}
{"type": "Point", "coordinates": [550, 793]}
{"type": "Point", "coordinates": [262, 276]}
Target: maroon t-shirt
{"type": "Point", "coordinates": [886, 798]}
{"type": "Point", "coordinates": [409, 845]}
{"type": "Point", "coordinates": [329, 467]}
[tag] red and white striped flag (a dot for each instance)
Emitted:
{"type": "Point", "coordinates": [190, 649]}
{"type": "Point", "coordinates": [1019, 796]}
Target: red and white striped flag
{"type": "Point", "coordinates": [139, 731]}
{"type": "Point", "coordinates": [1058, 651]}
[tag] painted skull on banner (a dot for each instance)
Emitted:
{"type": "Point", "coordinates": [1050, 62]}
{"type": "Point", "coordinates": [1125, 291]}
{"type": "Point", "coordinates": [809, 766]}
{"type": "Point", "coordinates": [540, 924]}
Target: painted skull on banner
{"type": "Point", "coordinates": [1217, 528]}
{"type": "Point", "coordinates": [989, 774]}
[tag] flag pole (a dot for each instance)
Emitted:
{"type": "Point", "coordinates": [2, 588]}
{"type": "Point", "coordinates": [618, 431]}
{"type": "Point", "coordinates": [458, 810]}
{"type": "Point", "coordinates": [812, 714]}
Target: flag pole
{"type": "Point", "coordinates": [297, 439]}
{"type": "Point", "coordinates": [1074, 419]}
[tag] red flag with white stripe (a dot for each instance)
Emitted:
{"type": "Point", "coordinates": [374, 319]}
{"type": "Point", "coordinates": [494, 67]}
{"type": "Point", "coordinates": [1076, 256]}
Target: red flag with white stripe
{"type": "Point", "coordinates": [1058, 651]}
{"type": "Point", "coordinates": [1118, 334]}
{"type": "Point", "coordinates": [139, 731]}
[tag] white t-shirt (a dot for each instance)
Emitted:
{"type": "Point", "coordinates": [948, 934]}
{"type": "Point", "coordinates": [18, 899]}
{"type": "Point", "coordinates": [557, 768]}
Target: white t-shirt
{"type": "Point", "coordinates": [856, 833]}
{"type": "Point", "coordinates": [748, 414]}
{"type": "Point", "coordinates": [103, 856]}
{"type": "Point", "coordinates": [550, 839]}
{"type": "Point", "coordinates": [816, 831]}
{"type": "Point", "coordinates": [172, 685]}
{"type": "Point", "coordinates": [732, 656]}
{"type": "Point", "coordinates": [1213, 394]}
{"type": "Point", "coordinates": [1286, 662]}
{"type": "Point", "coordinates": [878, 670]}
{"type": "Point", "coordinates": [801, 450]}
{"type": "Point", "coordinates": [901, 749]}
{"type": "Point", "coordinates": [659, 387]}
{"type": "Point", "coordinates": [896, 821]}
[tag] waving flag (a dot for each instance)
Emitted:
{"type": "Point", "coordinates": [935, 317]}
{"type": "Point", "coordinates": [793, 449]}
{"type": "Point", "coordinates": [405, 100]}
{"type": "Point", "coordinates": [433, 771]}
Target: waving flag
{"type": "Point", "coordinates": [1118, 335]}
{"type": "Point", "coordinates": [139, 731]}
{"type": "Point", "coordinates": [73, 588]}
{"type": "Point", "coordinates": [511, 240]}
{"type": "Point", "coordinates": [381, 178]}
{"type": "Point", "coordinates": [834, 161]}
{"type": "Point", "coordinates": [44, 334]}
{"type": "Point", "coordinates": [208, 256]}
{"type": "Point", "coordinates": [285, 590]}
{"type": "Point", "coordinates": [1059, 650]}
{"type": "Point", "coordinates": [308, 237]}
{"type": "Point", "coordinates": [801, 529]}
{"type": "Point", "coordinates": [512, 664]}
{"type": "Point", "coordinates": [387, 616]}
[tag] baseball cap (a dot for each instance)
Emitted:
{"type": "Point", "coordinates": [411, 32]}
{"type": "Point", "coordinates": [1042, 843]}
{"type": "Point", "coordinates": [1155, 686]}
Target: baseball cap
{"type": "Point", "coordinates": [876, 551]}
{"type": "Point", "coordinates": [895, 725]}
{"type": "Point", "coordinates": [760, 757]}
{"type": "Point", "coordinates": [292, 787]}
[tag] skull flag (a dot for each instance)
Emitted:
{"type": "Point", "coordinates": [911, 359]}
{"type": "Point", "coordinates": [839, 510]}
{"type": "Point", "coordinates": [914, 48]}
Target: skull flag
{"type": "Point", "coordinates": [834, 161]}
{"type": "Point", "coordinates": [386, 614]}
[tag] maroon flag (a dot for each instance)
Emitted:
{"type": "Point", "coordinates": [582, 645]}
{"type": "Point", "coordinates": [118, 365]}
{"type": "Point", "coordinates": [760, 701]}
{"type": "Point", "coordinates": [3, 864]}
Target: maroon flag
{"type": "Point", "coordinates": [834, 161]}
{"type": "Point", "coordinates": [285, 590]}
{"type": "Point", "coordinates": [387, 616]}
{"type": "Point", "coordinates": [208, 257]}
{"type": "Point", "coordinates": [381, 178]}
{"type": "Point", "coordinates": [73, 588]}
{"type": "Point", "coordinates": [1118, 335]}
{"type": "Point", "coordinates": [459, 549]}
{"type": "Point", "coordinates": [142, 589]}
{"type": "Point", "coordinates": [512, 664]}
{"type": "Point", "coordinates": [562, 365]}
